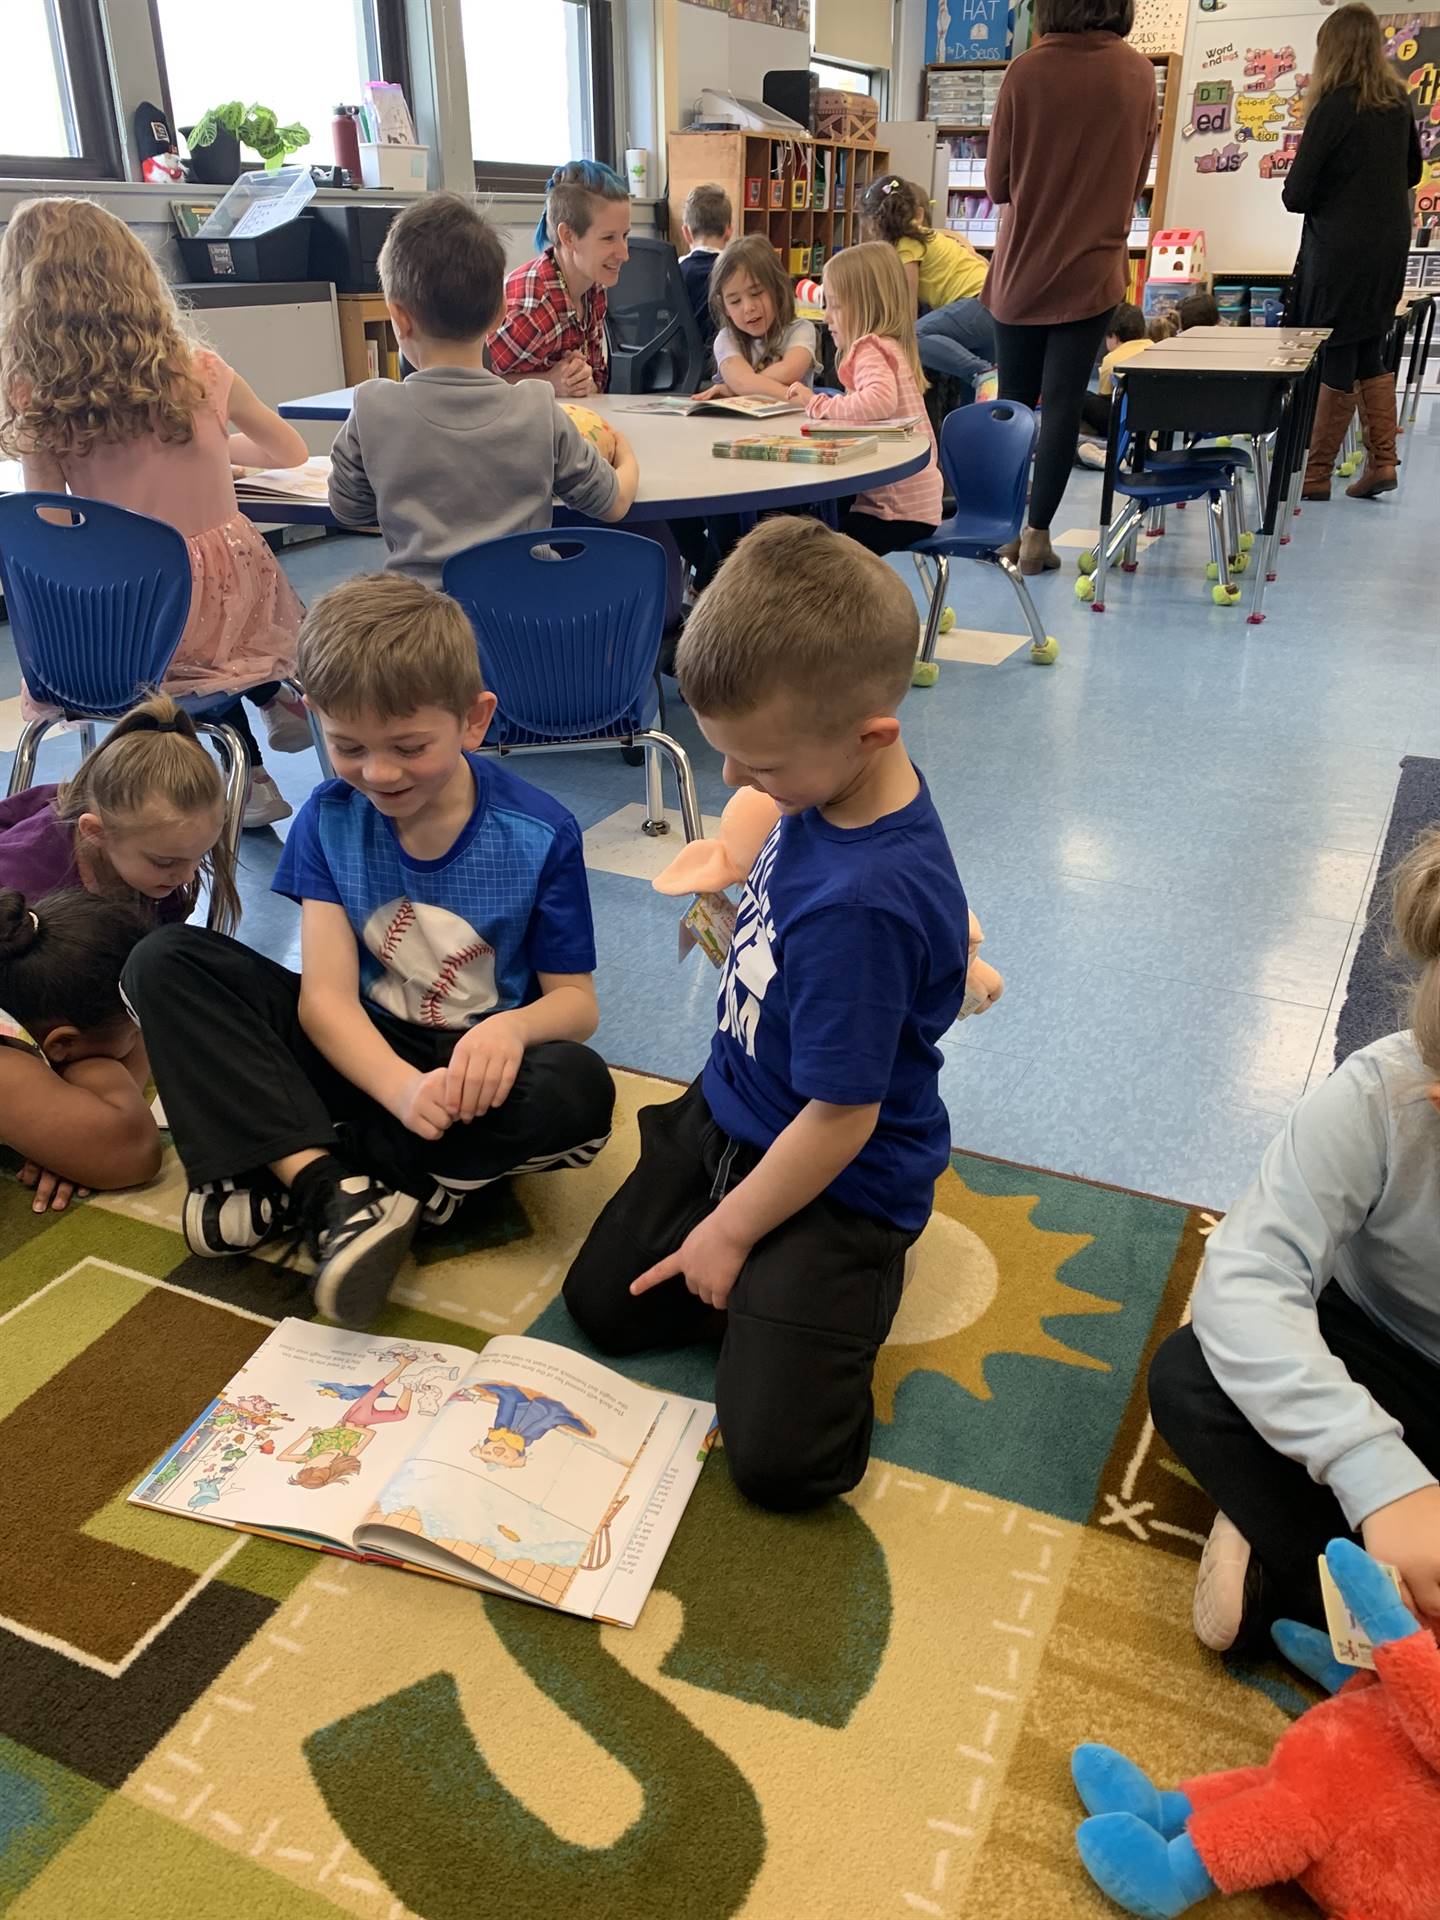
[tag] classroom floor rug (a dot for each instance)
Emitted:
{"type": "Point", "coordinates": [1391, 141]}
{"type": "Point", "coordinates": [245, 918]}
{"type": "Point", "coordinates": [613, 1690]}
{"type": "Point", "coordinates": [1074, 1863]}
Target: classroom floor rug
{"type": "Point", "coordinates": [861, 1713]}
{"type": "Point", "coordinates": [1376, 992]}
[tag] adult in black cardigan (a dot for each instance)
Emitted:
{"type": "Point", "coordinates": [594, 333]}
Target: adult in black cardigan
{"type": "Point", "coordinates": [1352, 176]}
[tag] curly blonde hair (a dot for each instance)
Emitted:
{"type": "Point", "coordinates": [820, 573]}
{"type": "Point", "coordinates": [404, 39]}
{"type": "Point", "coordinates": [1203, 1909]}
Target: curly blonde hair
{"type": "Point", "coordinates": [91, 346]}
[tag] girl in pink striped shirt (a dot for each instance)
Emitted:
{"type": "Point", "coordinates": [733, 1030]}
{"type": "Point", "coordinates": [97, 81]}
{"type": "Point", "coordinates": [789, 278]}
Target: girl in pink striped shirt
{"type": "Point", "coordinates": [870, 314]}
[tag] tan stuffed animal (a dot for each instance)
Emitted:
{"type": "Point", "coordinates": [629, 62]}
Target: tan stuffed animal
{"type": "Point", "coordinates": [710, 866]}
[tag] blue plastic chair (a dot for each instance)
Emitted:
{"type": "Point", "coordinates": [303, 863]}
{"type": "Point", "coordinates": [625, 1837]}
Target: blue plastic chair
{"type": "Point", "coordinates": [985, 454]}
{"type": "Point", "coordinates": [568, 624]}
{"type": "Point", "coordinates": [97, 604]}
{"type": "Point", "coordinates": [1176, 479]}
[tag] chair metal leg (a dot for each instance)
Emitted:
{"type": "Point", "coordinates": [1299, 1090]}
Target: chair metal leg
{"type": "Point", "coordinates": [655, 822]}
{"type": "Point", "coordinates": [87, 737]}
{"type": "Point", "coordinates": [658, 743]}
{"type": "Point", "coordinates": [1038, 636]}
{"type": "Point", "coordinates": [1215, 520]}
{"type": "Point", "coordinates": [234, 758]}
{"type": "Point", "coordinates": [322, 752]}
{"type": "Point", "coordinates": [22, 767]}
{"type": "Point", "coordinates": [937, 601]}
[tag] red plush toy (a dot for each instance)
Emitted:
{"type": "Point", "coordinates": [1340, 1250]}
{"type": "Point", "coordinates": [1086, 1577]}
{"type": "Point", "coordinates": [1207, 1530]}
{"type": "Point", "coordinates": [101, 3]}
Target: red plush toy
{"type": "Point", "coordinates": [1348, 1804]}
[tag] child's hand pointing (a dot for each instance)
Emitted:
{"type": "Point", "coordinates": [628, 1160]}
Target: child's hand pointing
{"type": "Point", "coordinates": [709, 1261]}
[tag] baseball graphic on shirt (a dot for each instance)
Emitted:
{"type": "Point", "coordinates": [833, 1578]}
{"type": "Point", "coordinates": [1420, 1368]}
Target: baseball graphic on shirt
{"type": "Point", "coordinates": [437, 971]}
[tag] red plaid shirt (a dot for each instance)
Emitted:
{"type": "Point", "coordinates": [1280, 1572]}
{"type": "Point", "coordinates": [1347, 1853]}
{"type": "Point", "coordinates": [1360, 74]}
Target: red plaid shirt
{"type": "Point", "coordinates": [542, 323]}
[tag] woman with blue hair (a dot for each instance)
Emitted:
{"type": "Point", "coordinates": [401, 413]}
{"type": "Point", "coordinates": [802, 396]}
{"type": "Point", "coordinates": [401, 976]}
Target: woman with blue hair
{"type": "Point", "coordinates": [554, 325]}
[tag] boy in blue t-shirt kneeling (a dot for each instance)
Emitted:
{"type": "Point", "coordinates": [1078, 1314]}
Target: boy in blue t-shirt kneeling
{"type": "Point", "coordinates": [430, 1044]}
{"type": "Point", "coordinates": [775, 1201]}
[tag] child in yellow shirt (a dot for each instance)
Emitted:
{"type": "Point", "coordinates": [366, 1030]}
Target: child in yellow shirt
{"type": "Point", "coordinates": [957, 335]}
{"type": "Point", "coordinates": [1126, 337]}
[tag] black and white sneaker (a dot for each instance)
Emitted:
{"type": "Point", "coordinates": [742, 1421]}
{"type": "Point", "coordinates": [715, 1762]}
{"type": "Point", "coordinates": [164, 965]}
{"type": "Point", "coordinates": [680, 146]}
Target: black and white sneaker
{"type": "Point", "coordinates": [441, 1208]}
{"type": "Point", "coordinates": [227, 1218]}
{"type": "Point", "coordinates": [358, 1232]}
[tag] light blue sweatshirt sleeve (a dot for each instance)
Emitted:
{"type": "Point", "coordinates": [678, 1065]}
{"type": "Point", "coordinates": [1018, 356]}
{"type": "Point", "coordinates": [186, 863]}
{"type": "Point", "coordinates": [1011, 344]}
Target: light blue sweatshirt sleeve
{"type": "Point", "coordinates": [1265, 1266]}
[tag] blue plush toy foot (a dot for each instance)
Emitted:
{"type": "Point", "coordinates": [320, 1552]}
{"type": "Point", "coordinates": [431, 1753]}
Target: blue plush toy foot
{"type": "Point", "coordinates": [1109, 1783]}
{"type": "Point", "coordinates": [1140, 1871]}
{"type": "Point", "coordinates": [1369, 1594]}
{"type": "Point", "coordinates": [1312, 1653]}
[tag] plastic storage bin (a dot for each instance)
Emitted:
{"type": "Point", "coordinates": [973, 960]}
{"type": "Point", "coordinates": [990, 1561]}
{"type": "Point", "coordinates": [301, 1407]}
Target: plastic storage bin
{"type": "Point", "coordinates": [401, 169]}
{"type": "Point", "coordinates": [258, 231]}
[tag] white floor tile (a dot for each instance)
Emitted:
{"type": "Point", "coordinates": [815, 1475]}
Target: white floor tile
{"type": "Point", "coordinates": [978, 648]}
{"type": "Point", "coordinates": [617, 844]}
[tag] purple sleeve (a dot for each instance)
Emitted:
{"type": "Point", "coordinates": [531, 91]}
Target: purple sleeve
{"type": "Point", "coordinates": [37, 848]}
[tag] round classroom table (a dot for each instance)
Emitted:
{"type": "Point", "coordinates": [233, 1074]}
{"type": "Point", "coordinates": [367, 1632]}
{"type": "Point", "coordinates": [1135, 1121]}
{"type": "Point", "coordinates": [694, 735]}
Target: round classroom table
{"type": "Point", "coordinates": [680, 477]}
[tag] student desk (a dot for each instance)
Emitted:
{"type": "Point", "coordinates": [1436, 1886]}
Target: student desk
{"type": "Point", "coordinates": [1415, 319]}
{"type": "Point", "coordinates": [679, 476]}
{"type": "Point", "coordinates": [1222, 380]}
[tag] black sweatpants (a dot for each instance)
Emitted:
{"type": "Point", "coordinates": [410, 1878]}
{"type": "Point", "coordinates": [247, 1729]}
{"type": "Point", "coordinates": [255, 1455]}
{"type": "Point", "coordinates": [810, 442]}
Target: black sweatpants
{"type": "Point", "coordinates": [243, 1087]}
{"type": "Point", "coordinates": [798, 1341]}
{"type": "Point", "coordinates": [881, 535]}
{"type": "Point", "coordinates": [1287, 1518]}
{"type": "Point", "coordinates": [1342, 366]}
{"type": "Point", "coordinates": [1053, 364]}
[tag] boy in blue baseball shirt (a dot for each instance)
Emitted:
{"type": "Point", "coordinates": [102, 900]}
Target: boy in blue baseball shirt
{"type": "Point", "coordinates": [775, 1201]}
{"type": "Point", "coordinates": [431, 1043]}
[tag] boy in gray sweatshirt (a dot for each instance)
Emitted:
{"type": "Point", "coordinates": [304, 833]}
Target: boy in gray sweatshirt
{"type": "Point", "coordinates": [453, 454]}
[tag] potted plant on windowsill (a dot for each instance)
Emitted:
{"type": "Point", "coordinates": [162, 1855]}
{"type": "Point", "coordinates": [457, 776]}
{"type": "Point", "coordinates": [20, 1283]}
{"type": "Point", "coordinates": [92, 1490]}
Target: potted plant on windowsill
{"type": "Point", "coordinates": [215, 140]}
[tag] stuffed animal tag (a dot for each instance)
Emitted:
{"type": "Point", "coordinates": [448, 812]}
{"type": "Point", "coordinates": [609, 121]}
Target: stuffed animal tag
{"type": "Point", "coordinates": [708, 923]}
{"type": "Point", "coordinates": [1353, 1646]}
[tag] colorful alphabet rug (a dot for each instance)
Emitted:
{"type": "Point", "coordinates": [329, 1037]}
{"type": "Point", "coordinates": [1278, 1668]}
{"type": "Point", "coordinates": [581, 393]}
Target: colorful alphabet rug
{"type": "Point", "coordinates": [860, 1713]}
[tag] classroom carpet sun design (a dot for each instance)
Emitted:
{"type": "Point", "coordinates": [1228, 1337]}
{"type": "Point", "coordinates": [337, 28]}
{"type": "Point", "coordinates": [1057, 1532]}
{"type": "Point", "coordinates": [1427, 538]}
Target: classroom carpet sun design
{"type": "Point", "coordinates": [857, 1713]}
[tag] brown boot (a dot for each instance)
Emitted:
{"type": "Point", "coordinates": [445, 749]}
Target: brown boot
{"type": "Point", "coordinates": [1377, 417]}
{"type": "Point", "coordinates": [1332, 417]}
{"type": "Point", "coordinates": [1036, 553]}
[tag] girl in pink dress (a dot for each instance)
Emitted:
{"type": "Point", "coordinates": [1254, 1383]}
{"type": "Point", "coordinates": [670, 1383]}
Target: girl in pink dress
{"type": "Point", "coordinates": [101, 392]}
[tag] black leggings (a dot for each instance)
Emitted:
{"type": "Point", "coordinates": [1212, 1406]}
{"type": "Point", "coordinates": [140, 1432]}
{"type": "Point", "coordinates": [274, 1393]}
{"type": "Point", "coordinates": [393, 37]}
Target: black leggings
{"type": "Point", "coordinates": [880, 535]}
{"type": "Point", "coordinates": [1052, 362]}
{"type": "Point", "coordinates": [1356, 360]}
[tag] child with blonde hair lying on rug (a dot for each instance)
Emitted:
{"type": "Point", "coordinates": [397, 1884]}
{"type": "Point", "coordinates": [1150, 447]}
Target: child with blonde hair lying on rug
{"type": "Point", "coordinates": [1305, 1394]}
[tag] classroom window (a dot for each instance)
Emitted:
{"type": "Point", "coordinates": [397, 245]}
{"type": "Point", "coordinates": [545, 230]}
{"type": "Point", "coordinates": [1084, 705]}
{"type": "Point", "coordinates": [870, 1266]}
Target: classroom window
{"type": "Point", "coordinates": [540, 97]}
{"type": "Point", "coordinates": [299, 57]}
{"type": "Point", "coordinates": [847, 79]}
{"type": "Point", "coordinates": [58, 123]}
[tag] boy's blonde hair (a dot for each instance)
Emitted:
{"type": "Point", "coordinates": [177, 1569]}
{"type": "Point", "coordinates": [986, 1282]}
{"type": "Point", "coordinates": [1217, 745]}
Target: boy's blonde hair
{"type": "Point", "coordinates": [800, 610]}
{"type": "Point", "coordinates": [92, 351]}
{"type": "Point", "coordinates": [869, 285]}
{"type": "Point", "coordinates": [753, 254]}
{"type": "Point", "coordinates": [149, 767]}
{"type": "Point", "coordinates": [1416, 912]}
{"type": "Point", "coordinates": [385, 645]}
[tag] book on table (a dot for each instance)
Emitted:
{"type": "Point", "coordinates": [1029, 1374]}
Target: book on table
{"type": "Point", "coordinates": [525, 1470]}
{"type": "Point", "coordinates": [750, 406]}
{"type": "Point", "coordinates": [309, 482]}
{"type": "Point", "coordinates": [814, 453]}
{"type": "Point", "coordinates": [896, 429]}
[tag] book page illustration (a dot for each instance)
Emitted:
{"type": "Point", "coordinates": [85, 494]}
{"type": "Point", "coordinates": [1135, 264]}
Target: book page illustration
{"type": "Point", "coordinates": [306, 1431]}
{"type": "Point", "coordinates": [520, 1483]}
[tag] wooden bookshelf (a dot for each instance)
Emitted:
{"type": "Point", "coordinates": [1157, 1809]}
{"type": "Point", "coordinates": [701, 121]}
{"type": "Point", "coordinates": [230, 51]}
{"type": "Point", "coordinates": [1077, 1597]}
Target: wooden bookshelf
{"type": "Point", "coordinates": [365, 323]}
{"type": "Point", "coordinates": [802, 194]}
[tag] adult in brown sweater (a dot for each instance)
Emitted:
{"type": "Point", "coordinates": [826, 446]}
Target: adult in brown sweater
{"type": "Point", "coordinates": [1069, 154]}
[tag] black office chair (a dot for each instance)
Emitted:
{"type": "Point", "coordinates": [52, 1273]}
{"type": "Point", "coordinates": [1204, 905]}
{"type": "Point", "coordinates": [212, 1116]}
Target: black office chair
{"type": "Point", "coordinates": [655, 345]}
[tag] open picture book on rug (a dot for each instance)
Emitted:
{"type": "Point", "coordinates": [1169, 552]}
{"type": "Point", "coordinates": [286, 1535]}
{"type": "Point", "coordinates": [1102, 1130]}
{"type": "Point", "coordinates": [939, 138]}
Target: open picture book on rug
{"type": "Point", "coordinates": [525, 1470]}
